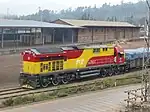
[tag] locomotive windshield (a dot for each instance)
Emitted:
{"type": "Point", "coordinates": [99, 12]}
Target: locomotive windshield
{"type": "Point", "coordinates": [120, 54]}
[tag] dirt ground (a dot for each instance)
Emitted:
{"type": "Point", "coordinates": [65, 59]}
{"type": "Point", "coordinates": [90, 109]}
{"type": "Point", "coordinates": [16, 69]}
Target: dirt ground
{"type": "Point", "coordinates": [132, 45]}
{"type": "Point", "coordinates": [9, 70]}
{"type": "Point", "coordinates": [10, 66]}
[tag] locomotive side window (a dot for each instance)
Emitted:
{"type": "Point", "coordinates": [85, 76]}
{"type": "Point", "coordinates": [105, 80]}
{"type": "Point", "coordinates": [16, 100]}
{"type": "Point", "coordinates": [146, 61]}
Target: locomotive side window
{"type": "Point", "coordinates": [46, 66]}
{"type": "Point", "coordinates": [53, 66]}
{"type": "Point", "coordinates": [41, 67]}
{"type": "Point", "coordinates": [57, 65]}
{"type": "Point", "coordinates": [105, 49]}
{"type": "Point", "coordinates": [61, 65]}
{"type": "Point", "coordinates": [96, 50]}
{"type": "Point", "coordinates": [49, 67]}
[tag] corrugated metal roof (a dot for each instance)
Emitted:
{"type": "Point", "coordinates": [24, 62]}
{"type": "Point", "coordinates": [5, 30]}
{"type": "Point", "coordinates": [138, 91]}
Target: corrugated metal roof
{"type": "Point", "coordinates": [31, 24]}
{"type": "Point", "coordinates": [83, 23]}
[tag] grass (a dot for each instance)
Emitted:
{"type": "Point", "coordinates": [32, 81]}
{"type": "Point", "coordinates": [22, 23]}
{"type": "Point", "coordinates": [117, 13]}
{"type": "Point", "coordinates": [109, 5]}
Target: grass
{"type": "Point", "coordinates": [65, 91]}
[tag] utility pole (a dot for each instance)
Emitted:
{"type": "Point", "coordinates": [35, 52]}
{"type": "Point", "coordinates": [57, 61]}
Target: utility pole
{"type": "Point", "coordinates": [7, 13]}
{"type": "Point", "coordinates": [41, 15]}
{"type": "Point", "coordinates": [145, 90]}
{"type": "Point", "coordinates": [41, 19]}
{"type": "Point", "coordinates": [146, 73]}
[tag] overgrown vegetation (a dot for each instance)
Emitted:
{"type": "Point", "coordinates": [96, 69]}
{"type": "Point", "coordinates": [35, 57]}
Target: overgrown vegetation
{"type": "Point", "coordinates": [136, 109]}
{"type": "Point", "coordinates": [65, 91]}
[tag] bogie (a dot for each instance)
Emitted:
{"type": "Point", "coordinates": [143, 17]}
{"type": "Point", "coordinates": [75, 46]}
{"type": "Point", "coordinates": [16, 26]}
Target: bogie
{"type": "Point", "coordinates": [45, 81]}
{"type": "Point", "coordinates": [56, 80]}
{"type": "Point", "coordinates": [66, 78]}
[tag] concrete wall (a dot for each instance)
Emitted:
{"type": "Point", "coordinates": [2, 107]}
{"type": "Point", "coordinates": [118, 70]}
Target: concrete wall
{"type": "Point", "coordinates": [106, 34]}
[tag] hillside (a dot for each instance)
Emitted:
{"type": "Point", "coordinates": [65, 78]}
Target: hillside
{"type": "Point", "coordinates": [131, 12]}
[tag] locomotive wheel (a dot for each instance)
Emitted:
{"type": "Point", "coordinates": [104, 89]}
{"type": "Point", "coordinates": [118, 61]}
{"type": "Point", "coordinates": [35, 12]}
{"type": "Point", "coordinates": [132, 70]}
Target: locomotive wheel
{"type": "Point", "coordinates": [111, 73]}
{"type": "Point", "coordinates": [103, 72]}
{"type": "Point", "coordinates": [55, 81]}
{"type": "Point", "coordinates": [127, 68]}
{"type": "Point", "coordinates": [45, 82]}
{"type": "Point", "coordinates": [65, 79]}
{"type": "Point", "coordinates": [116, 71]}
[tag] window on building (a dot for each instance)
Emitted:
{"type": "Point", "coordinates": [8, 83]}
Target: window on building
{"type": "Point", "coordinates": [96, 30]}
{"type": "Point", "coordinates": [101, 30]}
{"type": "Point", "coordinates": [107, 30]}
{"type": "Point", "coordinates": [82, 30]}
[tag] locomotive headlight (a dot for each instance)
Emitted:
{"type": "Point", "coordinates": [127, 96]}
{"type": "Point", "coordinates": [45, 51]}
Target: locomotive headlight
{"type": "Point", "coordinates": [28, 58]}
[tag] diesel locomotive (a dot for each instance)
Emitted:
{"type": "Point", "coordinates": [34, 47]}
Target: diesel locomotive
{"type": "Point", "coordinates": [42, 67]}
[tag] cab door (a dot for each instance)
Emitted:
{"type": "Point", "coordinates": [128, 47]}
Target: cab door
{"type": "Point", "coordinates": [120, 58]}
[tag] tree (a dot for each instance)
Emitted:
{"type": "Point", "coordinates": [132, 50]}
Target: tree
{"type": "Point", "coordinates": [106, 12]}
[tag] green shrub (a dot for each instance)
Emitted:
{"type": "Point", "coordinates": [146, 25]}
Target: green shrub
{"type": "Point", "coordinates": [62, 94]}
{"type": "Point", "coordinates": [8, 102]}
{"type": "Point", "coordinates": [72, 90]}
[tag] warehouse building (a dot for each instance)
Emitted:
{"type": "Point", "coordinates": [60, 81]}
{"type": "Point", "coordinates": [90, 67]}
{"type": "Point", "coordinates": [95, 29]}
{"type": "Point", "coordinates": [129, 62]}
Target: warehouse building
{"type": "Point", "coordinates": [18, 33]}
{"type": "Point", "coordinates": [99, 31]}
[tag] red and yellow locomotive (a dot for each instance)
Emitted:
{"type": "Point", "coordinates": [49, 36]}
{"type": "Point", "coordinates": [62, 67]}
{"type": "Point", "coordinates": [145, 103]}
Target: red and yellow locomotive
{"type": "Point", "coordinates": [44, 66]}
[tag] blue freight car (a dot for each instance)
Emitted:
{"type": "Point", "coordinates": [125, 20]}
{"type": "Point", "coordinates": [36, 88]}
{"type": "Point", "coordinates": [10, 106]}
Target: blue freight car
{"type": "Point", "coordinates": [134, 57]}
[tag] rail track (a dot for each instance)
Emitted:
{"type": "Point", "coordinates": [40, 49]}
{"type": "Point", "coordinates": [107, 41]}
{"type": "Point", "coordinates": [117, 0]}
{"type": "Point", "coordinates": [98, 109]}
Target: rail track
{"type": "Point", "coordinates": [12, 91]}
{"type": "Point", "coordinates": [21, 92]}
{"type": "Point", "coordinates": [9, 89]}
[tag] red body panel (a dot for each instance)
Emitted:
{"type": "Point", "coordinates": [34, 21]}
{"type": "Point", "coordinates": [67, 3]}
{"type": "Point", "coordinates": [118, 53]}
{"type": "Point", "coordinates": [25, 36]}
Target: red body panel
{"type": "Point", "coordinates": [101, 60]}
{"type": "Point", "coordinates": [119, 59]}
{"type": "Point", "coordinates": [36, 58]}
{"type": "Point", "coordinates": [72, 54]}
{"type": "Point", "coordinates": [69, 54]}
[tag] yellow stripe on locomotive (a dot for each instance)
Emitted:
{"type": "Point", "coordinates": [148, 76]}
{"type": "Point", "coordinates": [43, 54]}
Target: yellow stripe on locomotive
{"type": "Point", "coordinates": [35, 68]}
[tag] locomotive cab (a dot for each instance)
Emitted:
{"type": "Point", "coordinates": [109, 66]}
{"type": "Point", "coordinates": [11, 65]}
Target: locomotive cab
{"type": "Point", "coordinates": [39, 61]}
{"type": "Point", "coordinates": [119, 55]}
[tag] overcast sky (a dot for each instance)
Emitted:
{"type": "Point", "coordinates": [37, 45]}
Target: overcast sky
{"type": "Point", "coordinates": [24, 7]}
